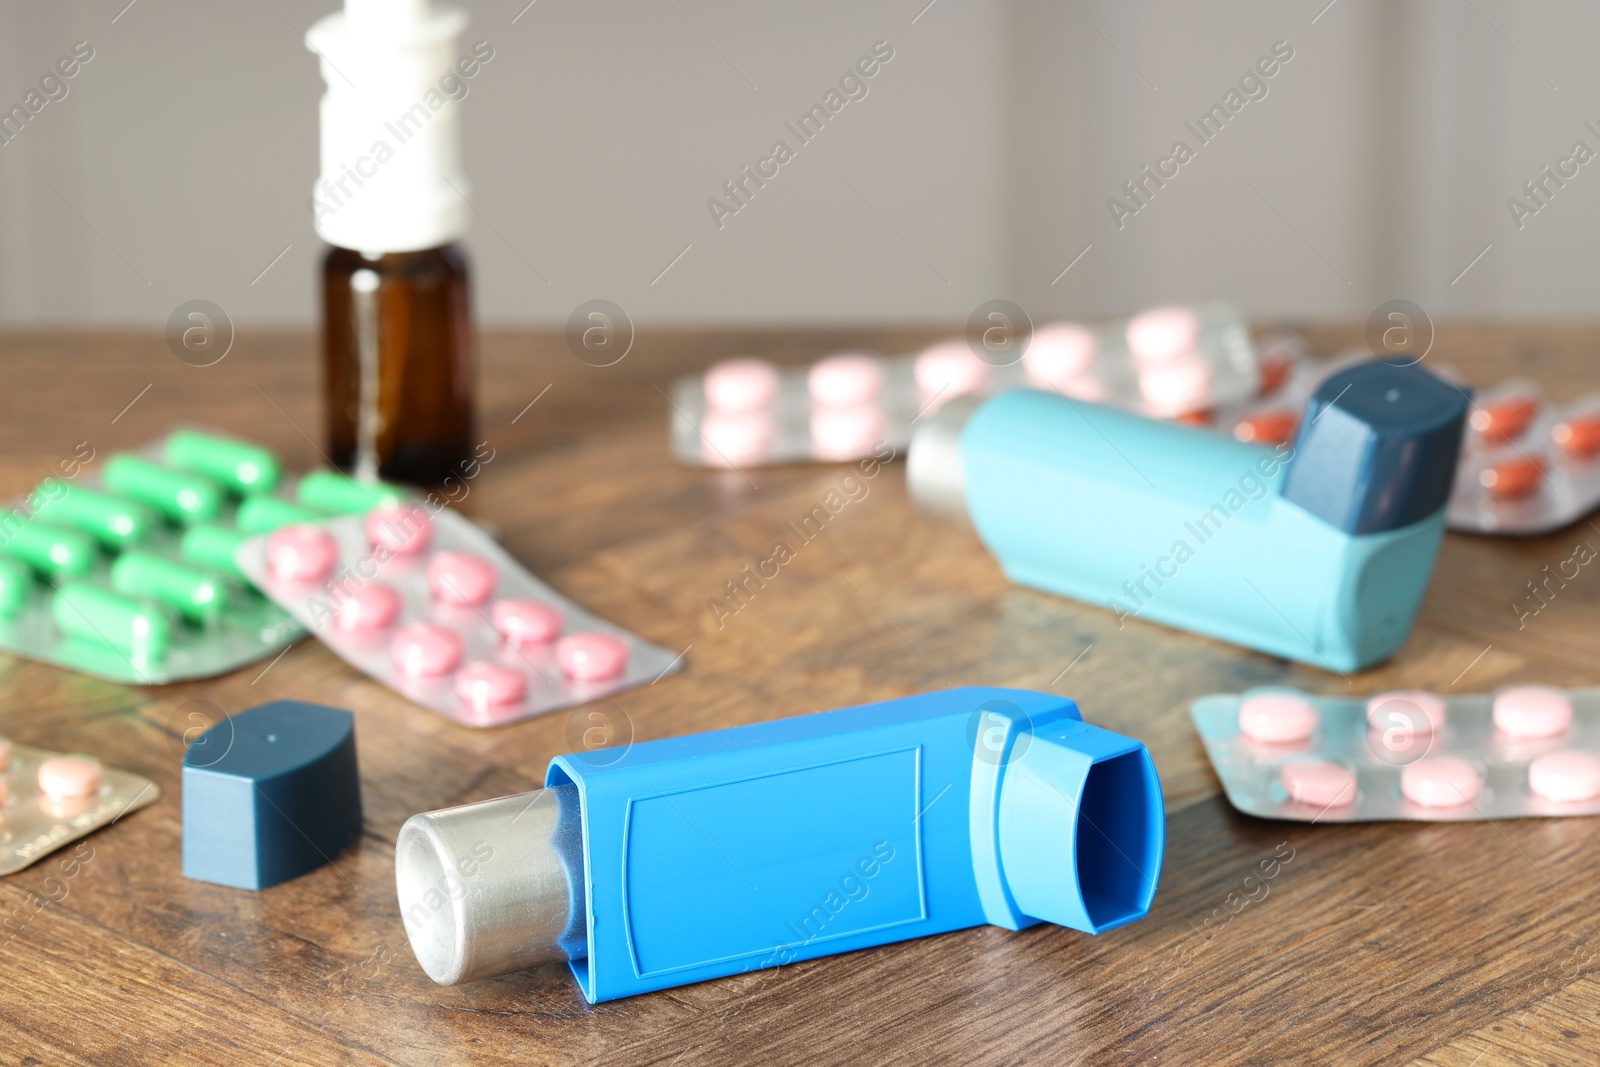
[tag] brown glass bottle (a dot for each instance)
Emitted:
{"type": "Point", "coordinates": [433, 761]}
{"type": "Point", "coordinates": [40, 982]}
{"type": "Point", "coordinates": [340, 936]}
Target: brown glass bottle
{"type": "Point", "coordinates": [398, 363]}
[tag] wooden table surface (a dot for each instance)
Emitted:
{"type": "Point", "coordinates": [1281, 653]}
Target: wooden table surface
{"type": "Point", "coordinates": [1467, 943]}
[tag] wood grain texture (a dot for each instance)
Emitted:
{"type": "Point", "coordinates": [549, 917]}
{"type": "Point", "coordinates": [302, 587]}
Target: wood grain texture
{"type": "Point", "coordinates": [1457, 944]}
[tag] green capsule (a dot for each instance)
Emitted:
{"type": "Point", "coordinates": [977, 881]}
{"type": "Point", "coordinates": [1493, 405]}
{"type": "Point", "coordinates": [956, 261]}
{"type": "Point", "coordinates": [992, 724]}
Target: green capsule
{"type": "Point", "coordinates": [140, 631]}
{"type": "Point", "coordinates": [16, 580]}
{"type": "Point", "coordinates": [241, 467]}
{"type": "Point", "coordinates": [52, 551]}
{"type": "Point", "coordinates": [182, 496]}
{"type": "Point", "coordinates": [343, 495]}
{"type": "Point", "coordinates": [194, 594]}
{"type": "Point", "coordinates": [212, 545]}
{"type": "Point", "coordinates": [263, 514]}
{"type": "Point", "coordinates": [111, 520]}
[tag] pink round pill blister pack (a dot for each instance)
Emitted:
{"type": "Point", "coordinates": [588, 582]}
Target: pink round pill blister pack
{"type": "Point", "coordinates": [429, 604]}
{"type": "Point", "coordinates": [1527, 750]}
{"type": "Point", "coordinates": [1162, 362]}
{"type": "Point", "coordinates": [48, 799]}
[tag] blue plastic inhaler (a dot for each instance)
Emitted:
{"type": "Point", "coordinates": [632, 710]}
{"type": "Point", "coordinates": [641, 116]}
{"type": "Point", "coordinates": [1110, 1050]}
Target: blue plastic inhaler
{"type": "Point", "coordinates": [1318, 552]}
{"type": "Point", "coordinates": [696, 857]}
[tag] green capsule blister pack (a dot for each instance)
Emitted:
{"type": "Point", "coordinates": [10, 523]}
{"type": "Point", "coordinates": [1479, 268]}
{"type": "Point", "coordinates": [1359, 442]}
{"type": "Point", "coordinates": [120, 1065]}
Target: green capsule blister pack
{"type": "Point", "coordinates": [130, 576]}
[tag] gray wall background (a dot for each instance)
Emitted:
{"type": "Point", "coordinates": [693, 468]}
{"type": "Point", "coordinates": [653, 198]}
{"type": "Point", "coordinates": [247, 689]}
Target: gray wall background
{"type": "Point", "coordinates": [978, 166]}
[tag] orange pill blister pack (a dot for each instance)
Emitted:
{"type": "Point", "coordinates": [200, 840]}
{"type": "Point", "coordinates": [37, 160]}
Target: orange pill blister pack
{"type": "Point", "coordinates": [1528, 466]}
{"type": "Point", "coordinates": [48, 800]}
{"type": "Point", "coordinates": [1525, 751]}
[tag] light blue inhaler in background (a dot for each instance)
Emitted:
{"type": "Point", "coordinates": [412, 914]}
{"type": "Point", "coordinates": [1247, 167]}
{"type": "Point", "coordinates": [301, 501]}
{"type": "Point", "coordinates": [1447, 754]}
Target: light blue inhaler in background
{"type": "Point", "coordinates": [1319, 553]}
{"type": "Point", "coordinates": [696, 857]}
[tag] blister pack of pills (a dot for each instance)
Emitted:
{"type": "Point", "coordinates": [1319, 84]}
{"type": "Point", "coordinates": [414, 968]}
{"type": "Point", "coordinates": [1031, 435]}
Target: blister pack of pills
{"type": "Point", "coordinates": [427, 603]}
{"type": "Point", "coordinates": [1527, 466]}
{"type": "Point", "coordinates": [126, 572]}
{"type": "Point", "coordinates": [48, 800]}
{"type": "Point", "coordinates": [1525, 751]}
{"type": "Point", "coordinates": [1163, 362]}
{"type": "Point", "coordinates": [1288, 377]}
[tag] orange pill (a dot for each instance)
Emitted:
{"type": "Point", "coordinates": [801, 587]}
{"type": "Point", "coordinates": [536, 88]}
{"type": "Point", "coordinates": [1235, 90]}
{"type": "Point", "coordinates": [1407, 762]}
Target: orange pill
{"type": "Point", "coordinates": [1274, 372]}
{"type": "Point", "coordinates": [1512, 478]}
{"type": "Point", "coordinates": [1578, 435]}
{"type": "Point", "coordinates": [1504, 420]}
{"type": "Point", "coordinates": [1193, 418]}
{"type": "Point", "coordinates": [1273, 427]}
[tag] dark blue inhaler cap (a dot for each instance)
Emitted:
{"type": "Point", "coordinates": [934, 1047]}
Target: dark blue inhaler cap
{"type": "Point", "coordinates": [270, 794]}
{"type": "Point", "coordinates": [1377, 446]}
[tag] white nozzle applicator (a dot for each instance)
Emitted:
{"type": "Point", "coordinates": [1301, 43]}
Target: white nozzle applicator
{"type": "Point", "coordinates": [391, 176]}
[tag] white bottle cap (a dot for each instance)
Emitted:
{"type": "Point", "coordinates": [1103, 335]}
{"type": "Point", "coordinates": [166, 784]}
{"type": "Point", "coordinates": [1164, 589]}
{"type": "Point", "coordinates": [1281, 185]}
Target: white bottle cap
{"type": "Point", "coordinates": [391, 156]}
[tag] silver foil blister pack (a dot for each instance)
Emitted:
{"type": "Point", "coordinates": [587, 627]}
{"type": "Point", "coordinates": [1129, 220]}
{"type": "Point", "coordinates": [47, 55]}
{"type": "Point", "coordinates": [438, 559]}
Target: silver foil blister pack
{"type": "Point", "coordinates": [1528, 466]}
{"type": "Point", "coordinates": [362, 566]}
{"type": "Point", "coordinates": [1164, 362]}
{"type": "Point", "coordinates": [1523, 752]}
{"type": "Point", "coordinates": [33, 825]}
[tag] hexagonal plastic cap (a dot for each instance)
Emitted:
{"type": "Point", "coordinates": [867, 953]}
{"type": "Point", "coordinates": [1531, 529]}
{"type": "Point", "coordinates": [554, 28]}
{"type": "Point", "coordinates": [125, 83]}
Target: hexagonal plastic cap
{"type": "Point", "coordinates": [1377, 447]}
{"type": "Point", "coordinates": [270, 794]}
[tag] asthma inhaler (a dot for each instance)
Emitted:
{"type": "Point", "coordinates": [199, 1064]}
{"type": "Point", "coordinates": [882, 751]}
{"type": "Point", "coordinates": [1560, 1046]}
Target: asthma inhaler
{"type": "Point", "coordinates": [691, 858]}
{"type": "Point", "coordinates": [1318, 553]}
{"type": "Point", "coordinates": [391, 201]}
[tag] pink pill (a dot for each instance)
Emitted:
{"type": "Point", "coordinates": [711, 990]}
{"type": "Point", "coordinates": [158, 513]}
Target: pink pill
{"type": "Point", "coordinates": [425, 650]}
{"type": "Point", "coordinates": [69, 777]}
{"type": "Point", "coordinates": [403, 529]}
{"type": "Point", "coordinates": [846, 433]}
{"type": "Point", "coordinates": [588, 657]}
{"type": "Point", "coordinates": [303, 555]}
{"type": "Point", "coordinates": [741, 385]}
{"type": "Point", "coordinates": [1177, 386]}
{"type": "Point", "coordinates": [1163, 334]}
{"type": "Point", "coordinates": [845, 380]}
{"type": "Point", "coordinates": [1532, 711]}
{"type": "Point", "coordinates": [949, 369]}
{"type": "Point", "coordinates": [1060, 352]}
{"type": "Point", "coordinates": [1087, 388]}
{"type": "Point", "coordinates": [1277, 718]}
{"type": "Point", "coordinates": [486, 686]}
{"type": "Point", "coordinates": [525, 622]}
{"type": "Point", "coordinates": [734, 439]}
{"type": "Point", "coordinates": [1406, 709]}
{"type": "Point", "coordinates": [367, 608]}
{"type": "Point", "coordinates": [1565, 776]}
{"type": "Point", "coordinates": [1318, 782]}
{"type": "Point", "coordinates": [461, 578]}
{"type": "Point", "coordinates": [1440, 782]}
